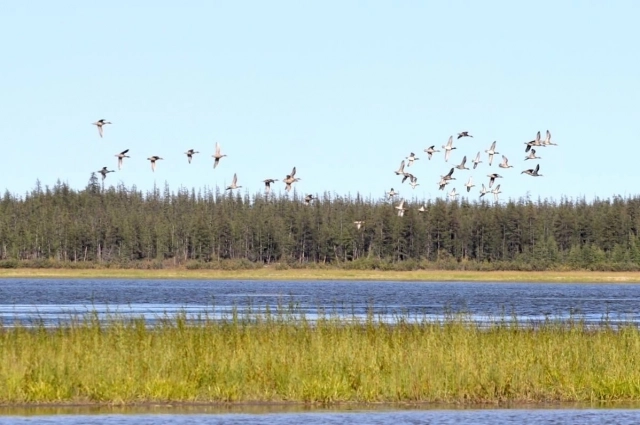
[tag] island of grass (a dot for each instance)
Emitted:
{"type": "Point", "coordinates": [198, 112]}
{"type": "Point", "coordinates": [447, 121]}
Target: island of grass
{"type": "Point", "coordinates": [279, 357]}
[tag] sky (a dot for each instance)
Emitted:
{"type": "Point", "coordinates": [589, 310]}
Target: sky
{"type": "Point", "coordinates": [342, 90]}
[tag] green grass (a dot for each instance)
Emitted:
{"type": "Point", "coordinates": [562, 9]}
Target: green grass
{"type": "Point", "coordinates": [275, 358]}
{"type": "Point", "coordinates": [273, 273]}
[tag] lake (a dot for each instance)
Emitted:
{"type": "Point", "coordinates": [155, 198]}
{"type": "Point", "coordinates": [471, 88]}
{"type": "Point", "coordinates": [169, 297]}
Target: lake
{"type": "Point", "coordinates": [53, 300]}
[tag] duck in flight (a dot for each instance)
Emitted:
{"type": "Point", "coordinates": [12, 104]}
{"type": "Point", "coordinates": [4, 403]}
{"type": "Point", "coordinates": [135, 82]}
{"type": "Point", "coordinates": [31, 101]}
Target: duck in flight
{"type": "Point", "coordinates": [461, 165]}
{"type": "Point", "coordinates": [99, 124]}
{"type": "Point", "coordinates": [532, 155]}
{"type": "Point", "coordinates": [469, 184]}
{"type": "Point", "coordinates": [190, 154]}
{"type": "Point", "coordinates": [121, 156]}
{"type": "Point", "coordinates": [234, 183]}
{"type": "Point", "coordinates": [493, 177]}
{"type": "Point", "coordinates": [104, 172]}
{"type": "Point", "coordinates": [412, 157]}
{"type": "Point", "coordinates": [267, 184]}
{"type": "Point", "coordinates": [505, 163]}
{"type": "Point", "coordinates": [400, 207]}
{"type": "Point", "coordinates": [464, 134]}
{"type": "Point", "coordinates": [217, 156]}
{"type": "Point", "coordinates": [492, 151]}
{"type": "Point", "coordinates": [476, 161]}
{"type": "Point", "coordinates": [483, 191]}
{"type": "Point", "coordinates": [533, 171]}
{"type": "Point", "coordinates": [496, 192]}
{"type": "Point", "coordinates": [290, 179]}
{"type": "Point", "coordinates": [534, 142]}
{"type": "Point", "coordinates": [431, 150]}
{"type": "Point", "coordinates": [400, 171]}
{"type": "Point", "coordinates": [448, 148]}
{"type": "Point", "coordinates": [153, 160]}
{"type": "Point", "coordinates": [547, 141]}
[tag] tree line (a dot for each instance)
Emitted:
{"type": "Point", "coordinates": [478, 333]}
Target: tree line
{"type": "Point", "coordinates": [124, 227]}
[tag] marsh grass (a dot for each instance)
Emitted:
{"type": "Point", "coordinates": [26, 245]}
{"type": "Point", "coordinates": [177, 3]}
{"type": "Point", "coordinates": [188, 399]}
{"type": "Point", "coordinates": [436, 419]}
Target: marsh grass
{"type": "Point", "coordinates": [275, 273]}
{"type": "Point", "coordinates": [283, 357]}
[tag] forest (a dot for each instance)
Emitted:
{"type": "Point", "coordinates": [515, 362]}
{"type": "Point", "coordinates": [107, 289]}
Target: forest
{"type": "Point", "coordinates": [124, 227]}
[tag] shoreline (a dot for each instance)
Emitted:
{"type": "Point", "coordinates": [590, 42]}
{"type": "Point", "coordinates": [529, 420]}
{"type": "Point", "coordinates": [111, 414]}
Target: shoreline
{"type": "Point", "coordinates": [272, 273]}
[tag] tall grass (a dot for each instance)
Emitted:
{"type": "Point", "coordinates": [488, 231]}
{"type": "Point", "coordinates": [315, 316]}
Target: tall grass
{"type": "Point", "coordinates": [277, 357]}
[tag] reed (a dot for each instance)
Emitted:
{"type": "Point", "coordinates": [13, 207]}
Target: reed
{"type": "Point", "coordinates": [279, 357]}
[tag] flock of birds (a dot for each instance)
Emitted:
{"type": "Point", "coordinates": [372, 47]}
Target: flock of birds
{"type": "Point", "coordinates": [289, 179]}
{"type": "Point", "coordinates": [402, 171]}
{"type": "Point", "coordinates": [446, 179]}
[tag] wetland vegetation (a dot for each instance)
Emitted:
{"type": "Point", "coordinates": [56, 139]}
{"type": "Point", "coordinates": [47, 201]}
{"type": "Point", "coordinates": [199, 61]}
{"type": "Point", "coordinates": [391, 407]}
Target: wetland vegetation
{"type": "Point", "coordinates": [276, 357]}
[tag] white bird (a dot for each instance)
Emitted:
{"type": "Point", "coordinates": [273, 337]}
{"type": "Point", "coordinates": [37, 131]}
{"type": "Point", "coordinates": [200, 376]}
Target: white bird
{"type": "Point", "coordinates": [431, 150]}
{"type": "Point", "coordinates": [412, 157]}
{"type": "Point", "coordinates": [469, 184]}
{"type": "Point", "coordinates": [414, 182]}
{"type": "Point", "coordinates": [476, 161]}
{"type": "Point", "coordinates": [358, 224]}
{"type": "Point", "coordinates": [453, 194]}
{"type": "Point", "coordinates": [505, 163]}
{"type": "Point", "coordinates": [448, 148]}
{"type": "Point", "coordinates": [391, 193]}
{"type": "Point", "coordinates": [422, 208]}
{"type": "Point", "coordinates": [400, 208]}
{"type": "Point", "coordinates": [400, 170]}
{"type": "Point", "coordinates": [496, 192]}
{"type": "Point", "coordinates": [492, 151]}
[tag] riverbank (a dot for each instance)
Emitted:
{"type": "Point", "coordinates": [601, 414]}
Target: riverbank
{"type": "Point", "coordinates": [273, 273]}
{"type": "Point", "coordinates": [275, 358]}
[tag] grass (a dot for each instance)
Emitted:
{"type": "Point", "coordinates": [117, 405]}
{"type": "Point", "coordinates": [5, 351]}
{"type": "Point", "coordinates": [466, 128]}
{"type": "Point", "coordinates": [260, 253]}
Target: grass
{"type": "Point", "coordinates": [272, 273]}
{"type": "Point", "coordinates": [276, 358]}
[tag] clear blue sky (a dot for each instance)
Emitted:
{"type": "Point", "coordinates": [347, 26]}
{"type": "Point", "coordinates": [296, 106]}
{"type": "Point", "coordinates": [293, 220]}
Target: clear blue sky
{"type": "Point", "coordinates": [343, 90]}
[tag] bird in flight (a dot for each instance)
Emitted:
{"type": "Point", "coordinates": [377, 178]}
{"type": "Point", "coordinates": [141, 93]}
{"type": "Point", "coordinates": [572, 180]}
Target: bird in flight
{"type": "Point", "coordinates": [217, 156]}
{"type": "Point", "coordinates": [190, 154]}
{"type": "Point", "coordinates": [464, 134]}
{"type": "Point", "coordinates": [99, 124]}
{"type": "Point", "coordinates": [104, 172]}
{"type": "Point", "coordinates": [234, 183]}
{"type": "Point", "coordinates": [153, 160]}
{"type": "Point", "coordinates": [121, 156]}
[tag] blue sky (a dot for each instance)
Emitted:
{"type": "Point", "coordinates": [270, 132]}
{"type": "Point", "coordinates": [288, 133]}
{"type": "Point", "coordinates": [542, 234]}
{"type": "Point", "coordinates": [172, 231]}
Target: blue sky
{"type": "Point", "coordinates": [343, 90]}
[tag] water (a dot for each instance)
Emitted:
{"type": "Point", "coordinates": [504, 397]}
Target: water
{"type": "Point", "coordinates": [55, 300]}
{"type": "Point", "coordinates": [460, 416]}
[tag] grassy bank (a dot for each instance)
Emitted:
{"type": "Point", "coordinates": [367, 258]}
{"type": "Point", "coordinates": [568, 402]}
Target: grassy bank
{"type": "Point", "coordinates": [274, 358]}
{"type": "Point", "coordinates": [272, 273]}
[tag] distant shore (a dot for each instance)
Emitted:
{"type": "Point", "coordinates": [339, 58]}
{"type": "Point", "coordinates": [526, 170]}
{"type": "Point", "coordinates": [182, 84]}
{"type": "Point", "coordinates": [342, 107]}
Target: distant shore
{"type": "Point", "coordinates": [272, 273]}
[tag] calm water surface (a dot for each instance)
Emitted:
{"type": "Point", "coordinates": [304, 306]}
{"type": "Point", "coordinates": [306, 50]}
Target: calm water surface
{"type": "Point", "coordinates": [51, 300]}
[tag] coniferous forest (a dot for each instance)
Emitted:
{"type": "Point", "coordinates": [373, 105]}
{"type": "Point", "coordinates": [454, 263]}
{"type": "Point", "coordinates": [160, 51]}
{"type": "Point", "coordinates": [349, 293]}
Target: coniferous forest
{"type": "Point", "coordinates": [123, 227]}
